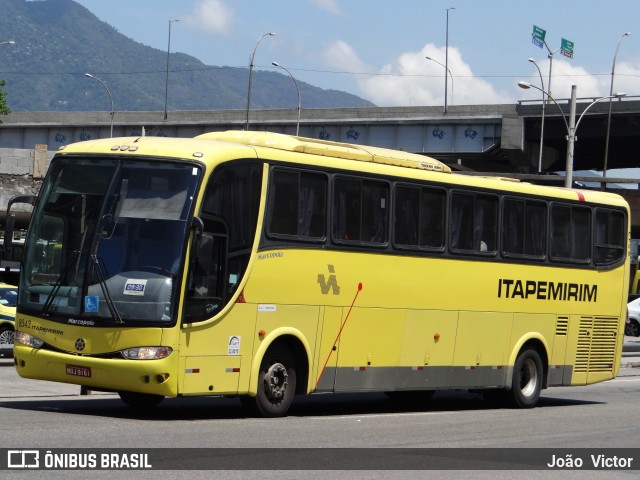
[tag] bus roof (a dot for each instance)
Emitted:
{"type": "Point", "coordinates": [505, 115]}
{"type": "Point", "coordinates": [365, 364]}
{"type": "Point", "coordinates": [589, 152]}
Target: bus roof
{"type": "Point", "coordinates": [243, 140]}
{"type": "Point", "coordinates": [326, 148]}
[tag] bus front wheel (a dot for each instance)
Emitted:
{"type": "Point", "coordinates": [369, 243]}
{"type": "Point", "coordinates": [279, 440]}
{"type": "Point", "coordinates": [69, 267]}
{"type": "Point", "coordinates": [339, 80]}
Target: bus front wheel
{"type": "Point", "coordinates": [527, 380]}
{"type": "Point", "coordinates": [140, 400]}
{"type": "Point", "coordinates": [276, 384]}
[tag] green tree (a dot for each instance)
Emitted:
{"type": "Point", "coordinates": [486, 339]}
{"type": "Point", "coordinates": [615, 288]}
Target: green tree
{"type": "Point", "coordinates": [4, 109]}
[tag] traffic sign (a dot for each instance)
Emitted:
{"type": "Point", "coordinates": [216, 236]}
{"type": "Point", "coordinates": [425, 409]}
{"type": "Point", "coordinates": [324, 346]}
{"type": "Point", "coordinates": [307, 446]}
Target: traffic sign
{"type": "Point", "coordinates": [537, 37]}
{"type": "Point", "coordinates": [566, 48]}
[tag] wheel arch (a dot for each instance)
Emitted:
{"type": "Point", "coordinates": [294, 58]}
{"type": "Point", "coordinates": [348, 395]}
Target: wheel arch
{"type": "Point", "coordinates": [535, 342]}
{"type": "Point", "coordinates": [297, 344]}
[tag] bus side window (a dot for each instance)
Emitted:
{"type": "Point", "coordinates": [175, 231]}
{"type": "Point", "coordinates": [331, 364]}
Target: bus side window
{"type": "Point", "coordinates": [298, 205]}
{"type": "Point", "coordinates": [570, 233]}
{"type": "Point", "coordinates": [610, 235]}
{"type": "Point", "coordinates": [419, 217]}
{"type": "Point", "coordinates": [474, 223]}
{"type": "Point", "coordinates": [206, 282]}
{"type": "Point", "coordinates": [524, 228]}
{"type": "Point", "coordinates": [360, 211]}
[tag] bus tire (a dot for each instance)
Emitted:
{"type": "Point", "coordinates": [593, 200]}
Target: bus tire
{"type": "Point", "coordinates": [140, 400]}
{"type": "Point", "coordinates": [526, 383]}
{"type": "Point", "coordinates": [276, 383]}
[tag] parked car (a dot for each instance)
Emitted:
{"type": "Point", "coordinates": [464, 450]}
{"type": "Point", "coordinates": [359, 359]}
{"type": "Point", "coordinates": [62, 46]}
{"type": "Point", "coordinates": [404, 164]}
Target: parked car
{"type": "Point", "coordinates": [632, 327]}
{"type": "Point", "coordinates": [8, 299]}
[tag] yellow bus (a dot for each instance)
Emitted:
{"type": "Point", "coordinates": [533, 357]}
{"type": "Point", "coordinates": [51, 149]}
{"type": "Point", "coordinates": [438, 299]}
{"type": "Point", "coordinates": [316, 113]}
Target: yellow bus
{"type": "Point", "coordinates": [262, 265]}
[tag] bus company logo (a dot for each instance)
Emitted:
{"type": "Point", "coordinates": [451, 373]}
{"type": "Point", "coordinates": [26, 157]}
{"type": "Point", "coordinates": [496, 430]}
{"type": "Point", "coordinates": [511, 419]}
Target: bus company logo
{"type": "Point", "coordinates": [80, 344]}
{"type": "Point", "coordinates": [546, 290]}
{"type": "Point", "coordinates": [23, 459]}
{"type": "Point", "coordinates": [331, 284]}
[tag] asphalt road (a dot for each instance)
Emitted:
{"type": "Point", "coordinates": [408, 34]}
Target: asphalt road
{"type": "Point", "coordinates": [46, 415]}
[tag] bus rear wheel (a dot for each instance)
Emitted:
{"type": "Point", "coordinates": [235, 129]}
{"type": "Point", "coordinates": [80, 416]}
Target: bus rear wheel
{"type": "Point", "coordinates": [140, 400]}
{"type": "Point", "coordinates": [276, 384]}
{"type": "Point", "coordinates": [526, 383]}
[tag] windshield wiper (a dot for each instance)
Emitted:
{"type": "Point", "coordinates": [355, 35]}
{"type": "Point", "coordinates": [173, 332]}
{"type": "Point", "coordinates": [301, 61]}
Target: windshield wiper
{"type": "Point", "coordinates": [110, 220]}
{"type": "Point", "coordinates": [48, 303]}
{"type": "Point", "coordinates": [105, 290]}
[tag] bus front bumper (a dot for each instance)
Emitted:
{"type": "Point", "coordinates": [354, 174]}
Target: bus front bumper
{"type": "Point", "coordinates": [108, 374]}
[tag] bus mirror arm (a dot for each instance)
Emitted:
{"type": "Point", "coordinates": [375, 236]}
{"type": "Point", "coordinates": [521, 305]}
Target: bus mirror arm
{"type": "Point", "coordinates": [11, 221]}
{"type": "Point", "coordinates": [198, 227]}
{"type": "Point", "coordinates": [8, 235]}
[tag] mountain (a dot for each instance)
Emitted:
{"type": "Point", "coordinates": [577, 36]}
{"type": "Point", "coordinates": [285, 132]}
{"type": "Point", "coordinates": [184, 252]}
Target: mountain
{"type": "Point", "coordinates": [57, 41]}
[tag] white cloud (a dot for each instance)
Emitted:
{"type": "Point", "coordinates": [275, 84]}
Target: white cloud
{"type": "Point", "coordinates": [588, 85]}
{"type": "Point", "coordinates": [211, 16]}
{"type": "Point", "coordinates": [625, 79]}
{"type": "Point", "coordinates": [340, 55]}
{"type": "Point", "coordinates": [564, 74]}
{"type": "Point", "coordinates": [330, 6]}
{"type": "Point", "coordinates": [411, 79]}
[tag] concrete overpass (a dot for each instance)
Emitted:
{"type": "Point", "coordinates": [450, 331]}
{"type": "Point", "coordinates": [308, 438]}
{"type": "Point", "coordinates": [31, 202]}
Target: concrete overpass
{"type": "Point", "coordinates": [502, 138]}
{"type": "Point", "coordinates": [496, 138]}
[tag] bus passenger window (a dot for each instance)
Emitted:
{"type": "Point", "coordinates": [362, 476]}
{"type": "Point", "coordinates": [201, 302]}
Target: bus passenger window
{"type": "Point", "coordinates": [406, 216]}
{"type": "Point", "coordinates": [298, 205]}
{"type": "Point", "coordinates": [419, 217]}
{"type": "Point", "coordinates": [610, 234]}
{"type": "Point", "coordinates": [474, 223]}
{"type": "Point", "coordinates": [570, 233]}
{"type": "Point", "coordinates": [524, 228]}
{"type": "Point", "coordinates": [360, 211]}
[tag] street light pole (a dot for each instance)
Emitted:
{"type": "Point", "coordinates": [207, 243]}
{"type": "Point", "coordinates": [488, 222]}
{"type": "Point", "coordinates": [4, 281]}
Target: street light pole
{"type": "Point", "coordinates": [110, 97]}
{"type": "Point", "coordinates": [571, 139]}
{"type": "Point", "coordinates": [572, 124]}
{"type": "Point", "coordinates": [253, 55]}
{"type": "Point", "coordinates": [166, 83]}
{"type": "Point", "coordinates": [542, 120]}
{"type": "Point", "coordinates": [447, 71]}
{"type": "Point", "coordinates": [446, 59]}
{"type": "Point", "coordinates": [606, 142]}
{"type": "Point", "coordinates": [276, 64]}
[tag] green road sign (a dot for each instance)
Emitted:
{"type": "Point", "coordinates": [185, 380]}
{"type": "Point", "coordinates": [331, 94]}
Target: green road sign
{"type": "Point", "coordinates": [566, 48]}
{"type": "Point", "coordinates": [537, 37]}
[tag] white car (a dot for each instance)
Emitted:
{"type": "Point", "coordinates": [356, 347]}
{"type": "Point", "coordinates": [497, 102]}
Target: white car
{"type": "Point", "coordinates": [632, 327]}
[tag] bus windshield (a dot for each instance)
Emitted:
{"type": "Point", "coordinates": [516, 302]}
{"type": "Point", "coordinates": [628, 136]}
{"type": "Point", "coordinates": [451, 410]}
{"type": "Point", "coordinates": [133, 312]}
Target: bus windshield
{"type": "Point", "coordinates": [108, 240]}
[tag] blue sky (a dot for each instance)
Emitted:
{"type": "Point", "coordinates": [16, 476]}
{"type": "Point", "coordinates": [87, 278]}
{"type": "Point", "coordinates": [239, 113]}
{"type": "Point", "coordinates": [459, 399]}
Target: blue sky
{"type": "Point", "coordinates": [376, 48]}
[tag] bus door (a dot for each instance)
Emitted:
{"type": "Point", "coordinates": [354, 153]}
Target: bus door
{"type": "Point", "coordinates": [327, 345]}
{"type": "Point", "coordinates": [210, 364]}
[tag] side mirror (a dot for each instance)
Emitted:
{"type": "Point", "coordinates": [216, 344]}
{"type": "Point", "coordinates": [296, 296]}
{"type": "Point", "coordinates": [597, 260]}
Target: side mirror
{"type": "Point", "coordinates": [11, 221]}
{"type": "Point", "coordinates": [8, 235]}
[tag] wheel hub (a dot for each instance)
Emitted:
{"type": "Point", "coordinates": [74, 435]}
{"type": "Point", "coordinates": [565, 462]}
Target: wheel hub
{"type": "Point", "coordinates": [528, 379]}
{"type": "Point", "coordinates": [276, 380]}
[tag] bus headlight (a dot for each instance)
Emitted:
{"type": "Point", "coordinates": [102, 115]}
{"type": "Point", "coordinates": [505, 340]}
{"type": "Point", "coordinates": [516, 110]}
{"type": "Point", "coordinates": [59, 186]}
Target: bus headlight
{"type": "Point", "coordinates": [22, 338]}
{"type": "Point", "coordinates": [146, 353]}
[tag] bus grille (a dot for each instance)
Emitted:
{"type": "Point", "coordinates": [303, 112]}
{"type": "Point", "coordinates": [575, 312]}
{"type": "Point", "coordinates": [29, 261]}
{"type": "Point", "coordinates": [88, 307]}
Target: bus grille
{"type": "Point", "coordinates": [596, 344]}
{"type": "Point", "coordinates": [562, 326]}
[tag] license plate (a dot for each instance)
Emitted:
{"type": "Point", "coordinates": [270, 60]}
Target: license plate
{"type": "Point", "coordinates": [78, 371]}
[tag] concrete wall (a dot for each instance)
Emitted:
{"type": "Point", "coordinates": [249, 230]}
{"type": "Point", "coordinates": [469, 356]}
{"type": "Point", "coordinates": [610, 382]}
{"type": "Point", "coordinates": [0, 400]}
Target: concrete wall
{"type": "Point", "coordinates": [17, 174]}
